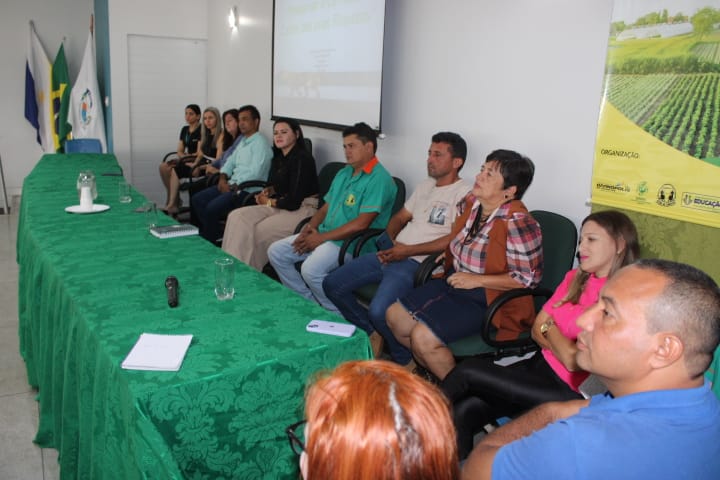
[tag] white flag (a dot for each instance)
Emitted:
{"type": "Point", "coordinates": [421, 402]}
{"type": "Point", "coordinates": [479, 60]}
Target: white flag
{"type": "Point", "coordinates": [86, 113]}
{"type": "Point", "coordinates": [38, 76]}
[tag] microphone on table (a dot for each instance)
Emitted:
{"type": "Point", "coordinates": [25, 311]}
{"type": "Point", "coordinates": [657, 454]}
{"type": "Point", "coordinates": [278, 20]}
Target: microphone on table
{"type": "Point", "coordinates": [171, 284]}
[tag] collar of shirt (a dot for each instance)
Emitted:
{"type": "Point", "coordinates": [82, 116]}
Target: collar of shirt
{"type": "Point", "coordinates": [368, 168]}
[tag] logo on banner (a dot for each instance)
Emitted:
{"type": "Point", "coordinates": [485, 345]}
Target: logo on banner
{"type": "Point", "coordinates": [702, 202]}
{"type": "Point", "coordinates": [666, 195]}
{"type": "Point", "coordinates": [619, 187]}
{"type": "Point", "coordinates": [86, 105]}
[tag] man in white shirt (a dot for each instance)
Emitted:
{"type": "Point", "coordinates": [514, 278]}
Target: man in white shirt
{"type": "Point", "coordinates": [420, 228]}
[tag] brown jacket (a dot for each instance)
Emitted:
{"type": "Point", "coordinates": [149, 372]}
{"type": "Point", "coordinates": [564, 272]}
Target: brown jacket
{"type": "Point", "coordinates": [517, 315]}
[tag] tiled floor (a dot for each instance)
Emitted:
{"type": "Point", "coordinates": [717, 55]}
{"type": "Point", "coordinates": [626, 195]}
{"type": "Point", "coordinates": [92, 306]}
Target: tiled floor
{"type": "Point", "coordinates": [20, 458]}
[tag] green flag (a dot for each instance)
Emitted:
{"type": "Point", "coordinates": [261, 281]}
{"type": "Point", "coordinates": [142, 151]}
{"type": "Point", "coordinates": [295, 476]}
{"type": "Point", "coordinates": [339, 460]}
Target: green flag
{"type": "Point", "coordinates": [60, 96]}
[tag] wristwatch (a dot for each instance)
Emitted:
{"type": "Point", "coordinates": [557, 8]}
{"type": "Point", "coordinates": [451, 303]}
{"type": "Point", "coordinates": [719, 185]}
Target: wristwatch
{"type": "Point", "coordinates": [546, 326]}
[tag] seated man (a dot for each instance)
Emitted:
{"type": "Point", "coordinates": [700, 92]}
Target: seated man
{"type": "Point", "coordinates": [421, 227]}
{"type": "Point", "coordinates": [249, 161]}
{"type": "Point", "coordinates": [649, 339]}
{"type": "Point", "coordinates": [361, 196]}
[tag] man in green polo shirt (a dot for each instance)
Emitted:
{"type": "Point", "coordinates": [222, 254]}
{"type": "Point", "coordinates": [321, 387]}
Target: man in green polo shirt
{"type": "Point", "coordinates": [361, 196]}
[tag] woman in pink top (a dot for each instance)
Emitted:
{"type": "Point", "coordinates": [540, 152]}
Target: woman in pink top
{"type": "Point", "coordinates": [482, 391]}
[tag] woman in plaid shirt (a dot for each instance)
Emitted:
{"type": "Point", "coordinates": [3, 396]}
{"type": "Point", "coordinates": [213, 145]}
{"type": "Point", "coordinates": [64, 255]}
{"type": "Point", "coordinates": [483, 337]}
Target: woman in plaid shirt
{"type": "Point", "coordinates": [498, 247]}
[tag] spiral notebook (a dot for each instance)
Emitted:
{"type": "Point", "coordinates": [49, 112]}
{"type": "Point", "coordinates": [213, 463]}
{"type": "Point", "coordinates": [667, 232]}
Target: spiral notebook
{"type": "Point", "coordinates": [171, 231]}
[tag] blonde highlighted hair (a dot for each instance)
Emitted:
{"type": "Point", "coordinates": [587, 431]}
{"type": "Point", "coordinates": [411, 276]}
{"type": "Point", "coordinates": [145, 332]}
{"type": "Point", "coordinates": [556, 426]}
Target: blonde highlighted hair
{"type": "Point", "coordinates": [373, 420]}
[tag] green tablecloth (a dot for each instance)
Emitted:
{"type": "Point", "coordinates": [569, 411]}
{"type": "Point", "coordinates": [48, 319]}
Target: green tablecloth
{"type": "Point", "coordinates": [89, 285]}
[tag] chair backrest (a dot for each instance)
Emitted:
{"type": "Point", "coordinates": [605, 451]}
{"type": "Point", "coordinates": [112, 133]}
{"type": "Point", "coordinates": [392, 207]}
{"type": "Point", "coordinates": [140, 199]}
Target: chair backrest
{"type": "Point", "coordinates": [559, 240]}
{"type": "Point", "coordinates": [83, 145]}
{"type": "Point", "coordinates": [399, 196]}
{"type": "Point", "coordinates": [308, 145]}
{"type": "Point", "coordinates": [326, 176]}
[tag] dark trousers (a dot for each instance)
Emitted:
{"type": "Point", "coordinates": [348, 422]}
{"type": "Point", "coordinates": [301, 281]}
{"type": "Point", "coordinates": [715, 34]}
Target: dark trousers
{"type": "Point", "coordinates": [212, 207]}
{"type": "Point", "coordinates": [482, 392]}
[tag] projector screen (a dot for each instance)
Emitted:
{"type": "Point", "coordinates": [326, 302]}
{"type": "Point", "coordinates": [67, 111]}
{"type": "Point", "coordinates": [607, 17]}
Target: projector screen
{"type": "Point", "coordinates": [327, 61]}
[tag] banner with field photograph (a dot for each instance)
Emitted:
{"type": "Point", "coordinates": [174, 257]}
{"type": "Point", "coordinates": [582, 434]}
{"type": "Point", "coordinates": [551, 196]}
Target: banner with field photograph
{"type": "Point", "coordinates": [658, 141]}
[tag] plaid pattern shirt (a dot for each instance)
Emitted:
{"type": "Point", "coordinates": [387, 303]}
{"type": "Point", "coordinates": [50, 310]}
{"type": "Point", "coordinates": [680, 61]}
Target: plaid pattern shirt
{"type": "Point", "coordinates": [523, 245]}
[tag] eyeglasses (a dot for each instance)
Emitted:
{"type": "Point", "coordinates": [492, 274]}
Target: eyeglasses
{"type": "Point", "coordinates": [296, 443]}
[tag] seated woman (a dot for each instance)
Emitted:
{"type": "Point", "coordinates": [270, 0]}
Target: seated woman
{"type": "Point", "coordinates": [282, 205]}
{"type": "Point", "coordinates": [374, 420]}
{"type": "Point", "coordinates": [498, 248]}
{"type": "Point", "coordinates": [229, 134]}
{"type": "Point", "coordinates": [209, 136]}
{"type": "Point", "coordinates": [482, 391]}
{"type": "Point", "coordinates": [187, 149]}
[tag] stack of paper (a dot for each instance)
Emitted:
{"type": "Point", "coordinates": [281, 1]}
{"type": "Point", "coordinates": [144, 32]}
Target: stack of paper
{"type": "Point", "coordinates": [157, 352]}
{"type": "Point", "coordinates": [172, 231]}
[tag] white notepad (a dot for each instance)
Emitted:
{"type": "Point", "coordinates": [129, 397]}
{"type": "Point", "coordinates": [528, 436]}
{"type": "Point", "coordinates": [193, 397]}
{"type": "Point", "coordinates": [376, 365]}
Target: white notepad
{"type": "Point", "coordinates": [170, 231]}
{"type": "Point", "coordinates": [157, 352]}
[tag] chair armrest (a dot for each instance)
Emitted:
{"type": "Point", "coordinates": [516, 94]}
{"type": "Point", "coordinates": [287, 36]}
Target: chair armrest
{"type": "Point", "coordinates": [523, 343]}
{"type": "Point", "coordinates": [301, 224]}
{"type": "Point", "coordinates": [362, 237]}
{"type": "Point", "coordinates": [251, 184]}
{"type": "Point", "coordinates": [424, 271]}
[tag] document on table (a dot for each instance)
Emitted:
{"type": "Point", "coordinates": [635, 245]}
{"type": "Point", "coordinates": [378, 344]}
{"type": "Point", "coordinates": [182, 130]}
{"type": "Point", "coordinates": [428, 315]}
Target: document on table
{"type": "Point", "coordinates": [157, 352]}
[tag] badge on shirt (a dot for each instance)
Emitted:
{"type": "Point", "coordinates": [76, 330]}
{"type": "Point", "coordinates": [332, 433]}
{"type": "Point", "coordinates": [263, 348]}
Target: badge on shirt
{"type": "Point", "coordinates": [350, 200]}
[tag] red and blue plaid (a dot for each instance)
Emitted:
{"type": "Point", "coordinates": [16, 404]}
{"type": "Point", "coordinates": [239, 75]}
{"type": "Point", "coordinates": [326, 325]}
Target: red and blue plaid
{"type": "Point", "coordinates": [524, 245]}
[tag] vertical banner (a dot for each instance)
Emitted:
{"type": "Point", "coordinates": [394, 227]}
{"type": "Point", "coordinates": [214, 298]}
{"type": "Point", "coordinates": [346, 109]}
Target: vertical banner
{"type": "Point", "coordinates": [658, 140]}
{"type": "Point", "coordinates": [60, 99]}
{"type": "Point", "coordinates": [86, 112]}
{"type": "Point", "coordinates": [38, 109]}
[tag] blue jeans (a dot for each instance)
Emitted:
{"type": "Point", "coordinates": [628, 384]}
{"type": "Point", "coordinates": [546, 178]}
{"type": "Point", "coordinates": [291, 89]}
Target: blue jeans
{"type": "Point", "coordinates": [211, 207]}
{"type": "Point", "coordinates": [316, 265]}
{"type": "Point", "coordinates": [395, 279]}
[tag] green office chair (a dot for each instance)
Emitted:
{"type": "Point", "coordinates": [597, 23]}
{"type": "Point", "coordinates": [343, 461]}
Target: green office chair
{"type": "Point", "coordinates": [559, 241]}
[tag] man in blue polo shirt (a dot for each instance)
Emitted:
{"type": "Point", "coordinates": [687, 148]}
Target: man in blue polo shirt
{"type": "Point", "coordinates": [361, 196]}
{"type": "Point", "coordinates": [649, 339]}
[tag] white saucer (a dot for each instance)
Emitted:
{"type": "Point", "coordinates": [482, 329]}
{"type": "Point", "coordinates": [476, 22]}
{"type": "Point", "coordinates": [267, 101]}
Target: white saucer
{"type": "Point", "coordinates": [96, 208]}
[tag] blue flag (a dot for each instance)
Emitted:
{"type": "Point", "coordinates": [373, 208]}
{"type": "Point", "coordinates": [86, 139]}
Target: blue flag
{"type": "Point", "coordinates": [38, 110]}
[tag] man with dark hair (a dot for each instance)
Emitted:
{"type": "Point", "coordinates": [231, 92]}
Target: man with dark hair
{"type": "Point", "coordinates": [649, 339]}
{"type": "Point", "coordinates": [421, 227]}
{"type": "Point", "coordinates": [250, 160]}
{"type": "Point", "coordinates": [361, 196]}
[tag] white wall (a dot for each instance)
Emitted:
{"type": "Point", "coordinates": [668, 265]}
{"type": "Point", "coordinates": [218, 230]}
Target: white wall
{"type": "Point", "coordinates": [53, 21]}
{"type": "Point", "coordinates": [524, 75]}
{"type": "Point", "coordinates": [162, 18]}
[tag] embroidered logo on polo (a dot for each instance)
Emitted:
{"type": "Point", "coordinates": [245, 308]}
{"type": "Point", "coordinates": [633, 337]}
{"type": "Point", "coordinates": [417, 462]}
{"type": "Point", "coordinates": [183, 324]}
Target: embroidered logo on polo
{"type": "Point", "coordinates": [350, 200]}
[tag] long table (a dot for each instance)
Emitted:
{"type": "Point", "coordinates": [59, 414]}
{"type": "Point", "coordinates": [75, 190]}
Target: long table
{"type": "Point", "coordinates": [90, 284]}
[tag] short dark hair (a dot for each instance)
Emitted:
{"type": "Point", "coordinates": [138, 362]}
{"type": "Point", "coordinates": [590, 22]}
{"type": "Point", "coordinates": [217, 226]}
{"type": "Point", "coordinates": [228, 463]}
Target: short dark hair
{"type": "Point", "coordinates": [194, 107]}
{"type": "Point", "coordinates": [517, 170]}
{"type": "Point", "coordinates": [363, 132]}
{"type": "Point", "coordinates": [457, 144]}
{"type": "Point", "coordinates": [254, 112]}
{"type": "Point", "coordinates": [688, 306]}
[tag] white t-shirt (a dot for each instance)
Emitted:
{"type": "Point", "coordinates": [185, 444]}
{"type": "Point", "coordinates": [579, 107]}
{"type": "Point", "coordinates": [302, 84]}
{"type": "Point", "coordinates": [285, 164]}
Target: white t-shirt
{"type": "Point", "coordinates": [433, 211]}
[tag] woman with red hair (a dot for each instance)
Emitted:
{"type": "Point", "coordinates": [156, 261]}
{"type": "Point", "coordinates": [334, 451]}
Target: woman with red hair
{"type": "Point", "coordinates": [374, 420]}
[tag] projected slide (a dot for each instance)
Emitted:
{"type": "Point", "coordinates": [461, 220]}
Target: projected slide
{"type": "Point", "coordinates": [327, 61]}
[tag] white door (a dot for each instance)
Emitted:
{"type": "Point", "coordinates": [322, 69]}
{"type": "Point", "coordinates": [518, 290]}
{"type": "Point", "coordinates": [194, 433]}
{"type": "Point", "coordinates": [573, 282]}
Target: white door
{"type": "Point", "coordinates": [165, 75]}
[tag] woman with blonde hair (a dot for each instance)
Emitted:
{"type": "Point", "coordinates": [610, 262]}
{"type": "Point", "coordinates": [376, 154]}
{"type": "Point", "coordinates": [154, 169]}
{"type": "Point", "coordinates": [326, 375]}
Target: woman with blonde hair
{"type": "Point", "coordinates": [373, 420]}
{"type": "Point", "coordinates": [210, 134]}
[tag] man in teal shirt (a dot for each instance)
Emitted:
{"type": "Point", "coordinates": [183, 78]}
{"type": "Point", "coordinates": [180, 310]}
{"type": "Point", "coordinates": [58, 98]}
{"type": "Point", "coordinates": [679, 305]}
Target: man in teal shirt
{"type": "Point", "coordinates": [361, 196]}
{"type": "Point", "coordinates": [250, 160]}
